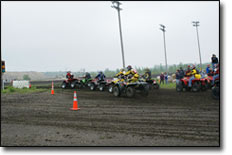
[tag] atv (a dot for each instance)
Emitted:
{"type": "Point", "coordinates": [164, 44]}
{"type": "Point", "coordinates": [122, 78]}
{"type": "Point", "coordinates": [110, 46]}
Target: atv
{"type": "Point", "coordinates": [84, 83]}
{"type": "Point", "coordinates": [94, 84]}
{"type": "Point", "coordinates": [197, 85]}
{"type": "Point", "coordinates": [130, 89]}
{"type": "Point", "coordinates": [69, 83]}
{"type": "Point", "coordinates": [113, 82]}
{"type": "Point", "coordinates": [151, 83]}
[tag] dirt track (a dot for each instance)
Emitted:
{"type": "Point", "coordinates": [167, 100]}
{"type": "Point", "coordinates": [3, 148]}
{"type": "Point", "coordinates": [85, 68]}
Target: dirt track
{"type": "Point", "coordinates": [164, 118]}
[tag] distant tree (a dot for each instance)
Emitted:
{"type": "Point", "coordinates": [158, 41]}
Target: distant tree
{"type": "Point", "coordinates": [26, 77]}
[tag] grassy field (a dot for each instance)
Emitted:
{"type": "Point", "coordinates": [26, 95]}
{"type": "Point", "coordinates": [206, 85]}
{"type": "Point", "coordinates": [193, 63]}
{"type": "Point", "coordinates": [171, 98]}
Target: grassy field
{"type": "Point", "coordinates": [168, 86]}
{"type": "Point", "coordinates": [23, 90]}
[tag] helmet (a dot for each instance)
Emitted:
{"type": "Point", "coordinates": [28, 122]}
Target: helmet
{"type": "Point", "coordinates": [208, 65]}
{"type": "Point", "coordinates": [193, 66]}
{"type": "Point", "coordinates": [122, 69]}
{"type": "Point", "coordinates": [188, 66]}
{"type": "Point", "coordinates": [100, 72]}
{"type": "Point", "coordinates": [129, 67]}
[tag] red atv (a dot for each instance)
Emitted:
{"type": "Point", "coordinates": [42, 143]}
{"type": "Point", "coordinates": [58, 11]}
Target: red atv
{"type": "Point", "coordinates": [197, 84]}
{"type": "Point", "coordinates": [70, 83]}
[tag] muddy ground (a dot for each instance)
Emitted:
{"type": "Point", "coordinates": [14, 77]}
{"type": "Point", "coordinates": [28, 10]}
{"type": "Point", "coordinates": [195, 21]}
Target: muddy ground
{"type": "Point", "coordinates": [164, 118]}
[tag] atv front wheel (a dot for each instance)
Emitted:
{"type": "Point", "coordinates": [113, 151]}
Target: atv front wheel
{"type": "Point", "coordinates": [73, 85]}
{"type": "Point", "coordinates": [92, 86]}
{"type": "Point", "coordinates": [101, 87]}
{"type": "Point", "coordinates": [111, 88]}
{"type": "Point", "coordinates": [64, 85]}
{"type": "Point", "coordinates": [196, 87]}
{"type": "Point", "coordinates": [116, 91]}
{"type": "Point", "coordinates": [179, 87]}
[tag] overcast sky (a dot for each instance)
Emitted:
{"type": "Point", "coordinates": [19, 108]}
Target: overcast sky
{"type": "Point", "coordinates": [55, 36]}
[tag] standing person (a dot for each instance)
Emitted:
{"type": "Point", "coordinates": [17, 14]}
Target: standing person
{"type": "Point", "coordinates": [181, 72]}
{"type": "Point", "coordinates": [166, 77]}
{"type": "Point", "coordinates": [162, 78]}
{"type": "Point", "coordinates": [177, 76]}
{"type": "Point", "coordinates": [214, 61]}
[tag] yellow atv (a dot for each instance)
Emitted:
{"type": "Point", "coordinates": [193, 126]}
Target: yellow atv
{"type": "Point", "coordinates": [130, 87]}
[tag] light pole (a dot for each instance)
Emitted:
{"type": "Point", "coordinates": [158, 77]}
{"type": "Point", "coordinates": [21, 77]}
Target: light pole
{"type": "Point", "coordinates": [163, 29]}
{"type": "Point", "coordinates": [196, 24]}
{"type": "Point", "coordinates": [116, 5]}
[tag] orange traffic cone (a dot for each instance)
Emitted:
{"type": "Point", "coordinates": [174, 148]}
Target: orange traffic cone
{"type": "Point", "coordinates": [75, 104]}
{"type": "Point", "coordinates": [52, 92]}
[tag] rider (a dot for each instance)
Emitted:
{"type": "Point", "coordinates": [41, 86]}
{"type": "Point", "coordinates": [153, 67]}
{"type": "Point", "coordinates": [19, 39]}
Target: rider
{"type": "Point", "coordinates": [87, 76]}
{"type": "Point", "coordinates": [69, 75]}
{"type": "Point", "coordinates": [131, 74]}
{"type": "Point", "coordinates": [195, 75]}
{"type": "Point", "coordinates": [100, 77]}
{"type": "Point", "coordinates": [147, 74]}
{"type": "Point", "coordinates": [207, 69]}
{"type": "Point", "coordinates": [120, 74]}
{"type": "Point", "coordinates": [188, 71]}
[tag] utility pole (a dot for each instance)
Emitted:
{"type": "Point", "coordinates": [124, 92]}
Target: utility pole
{"type": "Point", "coordinates": [116, 5]}
{"type": "Point", "coordinates": [165, 53]}
{"type": "Point", "coordinates": [196, 24]}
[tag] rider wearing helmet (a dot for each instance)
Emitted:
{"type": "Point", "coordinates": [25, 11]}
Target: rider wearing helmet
{"type": "Point", "coordinates": [120, 74]}
{"type": "Point", "coordinates": [87, 76]}
{"type": "Point", "coordinates": [147, 74]}
{"type": "Point", "coordinates": [195, 75]}
{"type": "Point", "coordinates": [69, 75]}
{"type": "Point", "coordinates": [188, 71]}
{"type": "Point", "coordinates": [207, 69]}
{"type": "Point", "coordinates": [100, 76]}
{"type": "Point", "coordinates": [131, 74]}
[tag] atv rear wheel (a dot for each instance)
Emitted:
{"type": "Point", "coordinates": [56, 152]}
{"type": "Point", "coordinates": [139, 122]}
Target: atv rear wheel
{"type": "Point", "coordinates": [156, 86]}
{"type": "Point", "coordinates": [145, 91]}
{"type": "Point", "coordinates": [130, 91]}
{"type": "Point", "coordinates": [116, 91]}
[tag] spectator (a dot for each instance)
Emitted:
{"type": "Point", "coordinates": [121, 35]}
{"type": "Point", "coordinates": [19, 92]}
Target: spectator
{"type": "Point", "coordinates": [214, 61]}
{"type": "Point", "coordinates": [177, 76]}
{"type": "Point", "coordinates": [166, 77]}
{"type": "Point", "coordinates": [162, 78]}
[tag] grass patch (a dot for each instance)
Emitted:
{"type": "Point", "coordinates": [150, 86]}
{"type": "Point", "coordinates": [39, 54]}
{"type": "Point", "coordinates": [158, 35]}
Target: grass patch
{"type": "Point", "coordinates": [168, 86]}
{"type": "Point", "coordinates": [11, 89]}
